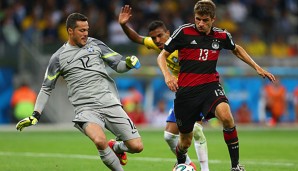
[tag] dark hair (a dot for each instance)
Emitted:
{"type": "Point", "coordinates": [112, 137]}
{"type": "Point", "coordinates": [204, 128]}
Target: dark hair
{"type": "Point", "coordinates": [205, 7]}
{"type": "Point", "coordinates": [71, 21]}
{"type": "Point", "coordinates": [156, 24]}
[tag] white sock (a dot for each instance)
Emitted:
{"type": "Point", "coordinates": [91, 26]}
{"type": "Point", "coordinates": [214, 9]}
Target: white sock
{"type": "Point", "coordinates": [201, 146]}
{"type": "Point", "coordinates": [109, 158]}
{"type": "Point", "coordinates": [172, 140]}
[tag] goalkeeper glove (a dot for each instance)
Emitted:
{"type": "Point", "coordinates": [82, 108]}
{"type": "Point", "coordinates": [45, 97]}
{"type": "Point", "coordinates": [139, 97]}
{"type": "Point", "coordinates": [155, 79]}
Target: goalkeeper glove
{"type": "Point", "coordinates": [31, 120]}
{"type": "Point", "coordinates": [133, 62]}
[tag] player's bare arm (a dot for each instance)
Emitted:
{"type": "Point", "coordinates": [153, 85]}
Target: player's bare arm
{"type": "Point", "coordinates": [242, 54]}
{"type": "Point", "coordinates": [123, 19]}
{"type": "Point", "coordinates": [170, 80]}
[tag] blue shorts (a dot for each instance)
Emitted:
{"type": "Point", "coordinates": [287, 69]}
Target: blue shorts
{"type": "Point", "coordinates": [171, 117]}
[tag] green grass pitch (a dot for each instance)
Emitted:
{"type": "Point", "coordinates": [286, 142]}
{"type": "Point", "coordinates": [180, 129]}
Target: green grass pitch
{"type": "Point", "coordinates": [261, 149]}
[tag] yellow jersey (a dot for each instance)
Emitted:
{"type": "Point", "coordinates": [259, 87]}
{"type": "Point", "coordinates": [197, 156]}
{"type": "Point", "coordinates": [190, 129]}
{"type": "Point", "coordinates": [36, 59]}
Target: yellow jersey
{"type": "Point", "coordinates": [172, 60]}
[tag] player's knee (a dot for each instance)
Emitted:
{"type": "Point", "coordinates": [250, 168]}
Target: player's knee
{"type": "Point", "coordinates": [198, 133]}
{"type": "Point", "coordinates": [169, 136]}
{"type": "Point", "coordinates": [136, 147]}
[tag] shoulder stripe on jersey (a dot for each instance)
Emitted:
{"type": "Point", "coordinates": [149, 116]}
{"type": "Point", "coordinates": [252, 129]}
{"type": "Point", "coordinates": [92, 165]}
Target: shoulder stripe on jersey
{"type": "Point", "coordinates": [218, 29]}
{"type": "Point", "coordinates": [110, 54]}
{"type": "Point", "coordinates": [176, 32]}
{"type": "Point", "coordinates": [53, 77]}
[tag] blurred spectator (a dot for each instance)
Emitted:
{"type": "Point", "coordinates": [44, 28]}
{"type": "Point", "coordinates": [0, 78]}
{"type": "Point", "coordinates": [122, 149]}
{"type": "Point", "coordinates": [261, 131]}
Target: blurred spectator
{"type": "Point", "coordinates": [50, 32]}
{"type": "Point", "coordinates": [33, 23]}
{"type": "Point", "coordinates": [263, 13]}
{"type": "Point", "coordinates": [243, 114]}
{"type": "Point", "coordinates": [256, 47]}
{"type": "Point", "coordinates": [149, 7]}
{"type": "Point", "coordinates": [116, 34]}
{"type": "Point", "coordinates": [9, 28]}
{"type": "Point", "coordinates": [98, 19]}
{"type": "Point", "coordinates": [137, 115]}
{"type": "Point", "coordinates": [295, 95]}
{"type": "Point", "coordinates": [275, 100]}
{"type": "Point", "coordinates": [22, 102]}
{"type": "Point", "coordinates": [237, 10]}
{"type": "Point", "coordinates": [284, 24]}
{"type": "Point", "coordinates": [279, 48]}
{"type": "Point", "coordinates": [225, 22]}
{"type": "Point", "coordinates": [132, 104]}
{"type": "Point", "coordinates": [290, 6]}
{"type": "Point", "coordinates": [62, 33]}
{"type": "Point", "coordinates": [159, 115]}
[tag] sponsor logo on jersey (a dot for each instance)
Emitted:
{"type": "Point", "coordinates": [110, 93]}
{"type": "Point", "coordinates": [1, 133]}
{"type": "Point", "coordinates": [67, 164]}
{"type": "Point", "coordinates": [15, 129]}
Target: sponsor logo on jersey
{"type": "Point", "coordinates": [193, 42]}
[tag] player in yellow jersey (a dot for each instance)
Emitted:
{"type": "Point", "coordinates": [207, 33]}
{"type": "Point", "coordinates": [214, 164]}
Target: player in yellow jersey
{"type": "Point", "coordinates": [158, 35]}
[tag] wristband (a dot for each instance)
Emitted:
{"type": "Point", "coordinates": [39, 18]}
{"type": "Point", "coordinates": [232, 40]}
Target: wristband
{"type": "Point", "coordinates": [36, 115]}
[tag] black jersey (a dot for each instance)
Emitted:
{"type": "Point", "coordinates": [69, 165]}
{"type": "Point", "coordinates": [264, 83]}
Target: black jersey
{"type": "Point", "coordinates": [198, 55]}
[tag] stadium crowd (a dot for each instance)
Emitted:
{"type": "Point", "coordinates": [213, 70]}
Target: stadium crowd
{"type": "Point", "coordinates": [264, 27]}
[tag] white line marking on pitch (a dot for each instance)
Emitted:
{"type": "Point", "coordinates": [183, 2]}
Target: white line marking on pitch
{"type": "Point", "coordinates": [149, 159]}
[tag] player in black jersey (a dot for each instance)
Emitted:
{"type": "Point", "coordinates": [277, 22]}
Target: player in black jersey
{"type": "Point", "coordinates": [158, 34]}
{"type": "Point", "coordinates": [198, 89]}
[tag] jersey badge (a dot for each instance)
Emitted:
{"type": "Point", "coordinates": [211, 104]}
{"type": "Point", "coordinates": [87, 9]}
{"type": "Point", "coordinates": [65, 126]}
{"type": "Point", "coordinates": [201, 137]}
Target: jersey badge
{"type": "Point", "coordinates": [90, 49]}
{"type": "Point", "coordinates": [175, 59]}
{"type": "Point", "coordinates": [215, 44]}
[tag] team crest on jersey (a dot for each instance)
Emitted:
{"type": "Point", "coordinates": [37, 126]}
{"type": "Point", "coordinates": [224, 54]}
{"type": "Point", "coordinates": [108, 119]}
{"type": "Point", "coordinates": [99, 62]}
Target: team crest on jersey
{"type": "Point", "coordinates": [90, 49]}
{"type": "Point", "coordinates": [175, 59]}
{"type": "Point", "coordinates": [215, 44]}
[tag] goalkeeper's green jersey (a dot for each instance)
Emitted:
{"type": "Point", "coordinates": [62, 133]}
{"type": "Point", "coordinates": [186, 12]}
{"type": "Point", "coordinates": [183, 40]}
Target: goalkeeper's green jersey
{"type": "Point", "coordinates": [83, 69]}
{"type": "Point", "coordinates": [172, 60]}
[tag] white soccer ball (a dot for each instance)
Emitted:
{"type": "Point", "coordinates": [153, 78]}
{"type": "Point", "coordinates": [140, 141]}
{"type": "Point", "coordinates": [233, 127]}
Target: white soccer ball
{"type": "Point", "coordinates": [183, 167]}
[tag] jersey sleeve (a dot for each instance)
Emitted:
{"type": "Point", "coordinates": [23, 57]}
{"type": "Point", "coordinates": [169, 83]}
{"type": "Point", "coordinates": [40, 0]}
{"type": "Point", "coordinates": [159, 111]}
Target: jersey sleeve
{"type": "Point", "coordinates": [173, 42]}
{"type": "Point", "coordinates": [51, 75]}
{"type": "Point", "coordinates": [109, 56]}
{"type": "Point", "coordinates": [148, 42]}
{"type": "Point", "coordinates": [229, 43]}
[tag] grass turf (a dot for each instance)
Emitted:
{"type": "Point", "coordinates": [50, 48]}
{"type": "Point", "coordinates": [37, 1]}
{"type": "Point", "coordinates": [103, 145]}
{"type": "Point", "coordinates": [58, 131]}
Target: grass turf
{"type": "Point", "coordinates": [260, 150]}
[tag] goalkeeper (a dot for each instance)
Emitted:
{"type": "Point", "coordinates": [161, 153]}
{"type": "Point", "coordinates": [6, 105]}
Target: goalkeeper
{"type": "Point", "coordinates": [158, 35]}
{"type": "Point", "coordinates": [81, 62]}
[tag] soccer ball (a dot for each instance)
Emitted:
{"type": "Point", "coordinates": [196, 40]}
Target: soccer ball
{"type": "Point", "coordinates": [183, 167]}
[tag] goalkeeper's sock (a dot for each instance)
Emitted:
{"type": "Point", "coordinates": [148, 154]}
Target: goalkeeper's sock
{"type": "Point", "coordinates": [231, 139]}
{"type": "Point", "coordinates": [110, 159]}
{"type": "Point", "coordinates": [120, 147]}
{"type": "Point", "coordinates": [201, 146]}
{"type": "Point", "coordinates": [172, 140]}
